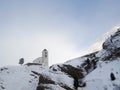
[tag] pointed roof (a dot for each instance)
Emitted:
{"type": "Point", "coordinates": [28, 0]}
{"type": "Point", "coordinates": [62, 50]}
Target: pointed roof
{"type": "Point", "coordinates": [45, 50]}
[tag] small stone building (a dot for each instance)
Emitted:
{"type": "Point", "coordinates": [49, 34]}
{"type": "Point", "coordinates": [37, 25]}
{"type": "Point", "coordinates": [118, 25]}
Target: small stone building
{"type": "Point", "coordinates": [42, 60]}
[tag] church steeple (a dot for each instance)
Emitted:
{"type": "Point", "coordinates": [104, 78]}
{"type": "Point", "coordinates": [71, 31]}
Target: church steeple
{"type": "Point", "coordinates": [45, 57]}
{"type": "Point", "coordinates": [45, 53]}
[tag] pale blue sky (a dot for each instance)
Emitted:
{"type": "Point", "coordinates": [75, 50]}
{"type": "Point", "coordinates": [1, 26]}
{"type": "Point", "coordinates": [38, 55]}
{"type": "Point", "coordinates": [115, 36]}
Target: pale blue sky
{"type": "Point", "coordinates": [64, 27]}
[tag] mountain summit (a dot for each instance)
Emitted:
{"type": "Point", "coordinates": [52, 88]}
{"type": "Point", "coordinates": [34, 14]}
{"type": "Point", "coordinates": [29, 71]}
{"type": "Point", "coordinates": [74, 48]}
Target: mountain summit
{"type": "Point", "coordinates": [99, 70]}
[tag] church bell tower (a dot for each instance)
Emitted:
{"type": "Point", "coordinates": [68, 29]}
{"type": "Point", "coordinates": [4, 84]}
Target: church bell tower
{"type": "Point", "coordinates": [45, 57]}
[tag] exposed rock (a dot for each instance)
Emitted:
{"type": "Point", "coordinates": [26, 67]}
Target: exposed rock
{"type": "Point", "coordinates": [89, 72]}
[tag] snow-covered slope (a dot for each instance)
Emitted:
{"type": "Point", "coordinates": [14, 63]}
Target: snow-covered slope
{"type": "Point", "coordinates": [99, 70]}
{"type": "Point", "coordinates": [27, 78]}
{"type": "Point", "coordinates": [98, 44]}
{"type": "Point", "coordinates": [99, 79]}
{"type": "Point", "coordinates": [19, 77]}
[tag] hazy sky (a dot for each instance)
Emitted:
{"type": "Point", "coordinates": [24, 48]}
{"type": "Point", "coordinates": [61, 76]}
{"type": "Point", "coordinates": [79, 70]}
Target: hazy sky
{"type": "Point", "coordinates": [64, 27]}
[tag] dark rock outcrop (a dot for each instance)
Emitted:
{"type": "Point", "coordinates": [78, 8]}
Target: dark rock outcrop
{"type": "Point", "coordinates": [110, 50]}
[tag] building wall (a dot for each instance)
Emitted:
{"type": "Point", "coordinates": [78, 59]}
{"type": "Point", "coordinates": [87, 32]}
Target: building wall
{"type": "Point", "coordinates": [42, 60]}
{"type": "Point", "coordinates": [38, 60]}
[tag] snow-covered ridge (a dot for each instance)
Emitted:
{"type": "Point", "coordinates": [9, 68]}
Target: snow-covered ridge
{"type": "Point", "coordinates": [98, 70]}
{"type": "Point", "coordinates": [98, 44]}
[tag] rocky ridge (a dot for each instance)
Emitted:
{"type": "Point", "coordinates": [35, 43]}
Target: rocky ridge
{"type": "Point", "coordinates": [89, 72]}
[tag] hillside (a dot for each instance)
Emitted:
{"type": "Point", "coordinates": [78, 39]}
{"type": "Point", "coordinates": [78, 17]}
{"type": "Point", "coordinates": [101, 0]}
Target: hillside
{"type": "Point", "coordinates": [99, 70]}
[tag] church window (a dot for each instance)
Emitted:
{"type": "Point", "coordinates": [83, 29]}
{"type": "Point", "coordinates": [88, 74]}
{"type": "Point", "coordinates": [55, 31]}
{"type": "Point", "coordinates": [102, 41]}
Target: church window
{"type": "Point", "coordinates": [45, 54]}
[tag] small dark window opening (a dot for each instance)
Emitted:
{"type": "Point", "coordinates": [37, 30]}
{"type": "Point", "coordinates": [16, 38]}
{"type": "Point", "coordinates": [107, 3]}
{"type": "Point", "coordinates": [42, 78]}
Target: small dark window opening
{"type": "Point", "coordinates": [45, 54]}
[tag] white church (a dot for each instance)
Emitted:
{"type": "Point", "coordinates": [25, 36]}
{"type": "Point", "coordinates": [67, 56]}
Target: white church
{"type": "Point", "coordinates": [43, 61]}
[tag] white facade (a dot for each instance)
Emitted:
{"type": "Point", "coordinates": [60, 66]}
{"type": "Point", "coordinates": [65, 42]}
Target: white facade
{"type": "Point", "coordinates": [42, 60]}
